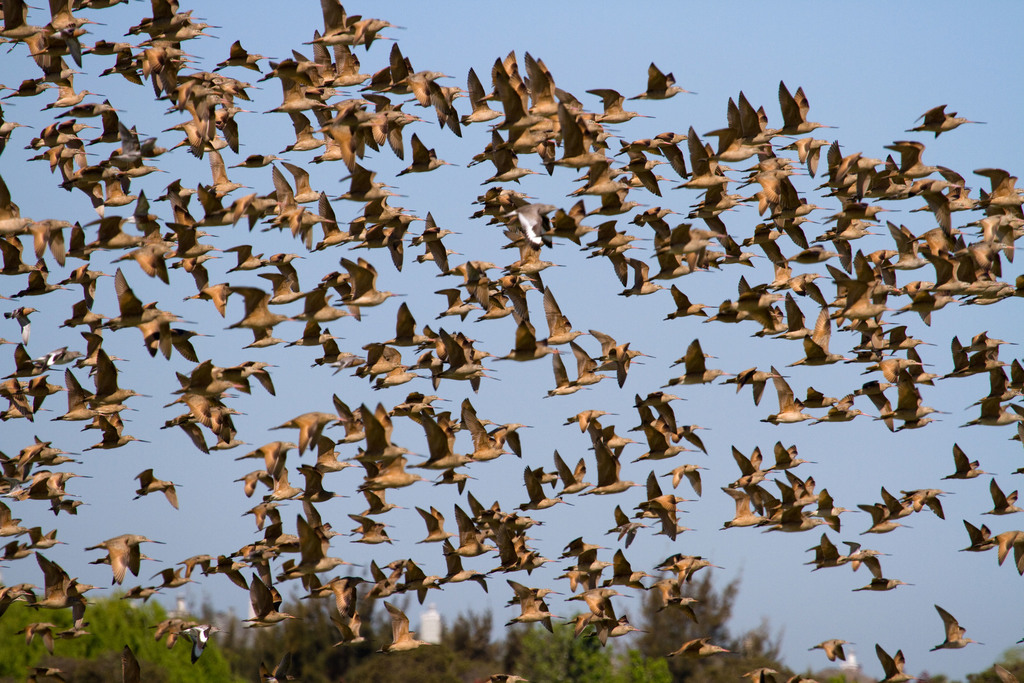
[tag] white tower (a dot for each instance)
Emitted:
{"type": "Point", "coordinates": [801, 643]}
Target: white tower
{"type": "Point", "coordinates": [850, 665]}
{"type": "Point", "coordinates": [430, 625]}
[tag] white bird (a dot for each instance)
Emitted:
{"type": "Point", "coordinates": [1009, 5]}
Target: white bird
{"type": "Point", "coordinates": [200, 636]}
{"type": "Point", "coordinates": [534, 223]}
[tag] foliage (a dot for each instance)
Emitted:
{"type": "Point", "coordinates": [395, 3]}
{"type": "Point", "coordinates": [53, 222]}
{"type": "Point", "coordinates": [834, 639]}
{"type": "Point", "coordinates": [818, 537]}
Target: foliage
{"type": "Point", "coordinates": [560, 656]}
{"type": "Point", "coordinates": [467, 652]}
{"type": "Point", "coordinates": [470, 634]}
{"type": "Point", "coordinates": [310, 639]}
{"type": "Point", "coordinates": [640, 669]}
{"type": "Point", "coordinates": [667, 629]}
{"type": "Point", "coordinates": [111, 624]}
{"type": "Point", "coordinates": [430, 664]}
{"type": "Point", "coordinates": [470, 637]}
{"type": "Point", "coordinates": [1012, 660]}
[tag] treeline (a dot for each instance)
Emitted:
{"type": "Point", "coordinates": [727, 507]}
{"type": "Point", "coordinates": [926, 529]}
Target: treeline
{"type": "Point", "coordinates": [305, 648]}
{"type": "Point", "coordinates": [469, 650]}
{"type": "Point", "coordinates": [472, 649]}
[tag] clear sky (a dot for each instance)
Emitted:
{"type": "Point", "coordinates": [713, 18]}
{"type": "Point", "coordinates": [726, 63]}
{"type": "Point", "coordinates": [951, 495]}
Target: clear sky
{"type": "Point", "coordinates": [868, 70]}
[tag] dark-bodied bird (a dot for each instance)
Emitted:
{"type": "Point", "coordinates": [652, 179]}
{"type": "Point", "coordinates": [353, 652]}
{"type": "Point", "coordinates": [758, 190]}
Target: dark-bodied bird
{"type": "Point", "coordinates": [660, 86]}
{"type": "Point", "coordinates": [938, 121]}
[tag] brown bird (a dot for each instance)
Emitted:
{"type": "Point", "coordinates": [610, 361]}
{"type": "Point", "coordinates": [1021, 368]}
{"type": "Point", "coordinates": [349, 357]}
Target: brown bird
{"type": "Point", "coordinates": [938, 121]}
{"type": "Point", "coordinates": [265, 603]}
{"type": "Point", "coordinates": [981, 539]}
{"type": "Point", "coordinates": [538, 501]}
{"type": "Point", "coordinates": [478, 100]}
{"type": "Point", "coordinates": [615, 356]}
{"type": "Point", "coordinates": [892, 666]}
{"type": "Point", "coordinates": [402, 639]}
{"type": "Point", "coordinates": [660, 86]}
{"type": "Point", "coordinates": [130, 670]}
{"type": "Point", "coordinates": [150, 484]}
{"type": "Point", "coordinates": [790, 408]}
{"type": "Point", "coordinates": [696, 370]}
{"type": "Point", "coordinates": [794, 112]}
{"type": "Point", "coordinates": [954, 632]}
{"type": "Point", "coordinates": [123, 554]}
{"type": "Point", "coordinates": [572, 480]}
{"type": "Point", "coordinates": [965, 468]}
{"type": "Point", "coordinates": [310, 426]}
{"type": "Point", "coordinates": [435, 526]}
{"type": "Point", "coordinates": [531, 605]}
{"type": "Point", "coordinates": [699, 647]}
{"type": "Point", "coordinates": [423, 159]}
{"type": "Point", "coordinates": [1003, 504]}
{"type": "Point", "coordinates": [833, 648]}
{"type": "Point", "coordinates": [612, 101]}
{"type": "Point", "coordinates": [132, 312]}
{"type": "Point", "coordinates": [608, 466]}
{"type": "Point", "coordinates": [258, 317]}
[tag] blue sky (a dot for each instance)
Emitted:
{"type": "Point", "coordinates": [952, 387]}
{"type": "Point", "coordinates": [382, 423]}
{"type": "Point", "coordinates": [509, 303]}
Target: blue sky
{"type": "Point", "coordinates": [869, 73]}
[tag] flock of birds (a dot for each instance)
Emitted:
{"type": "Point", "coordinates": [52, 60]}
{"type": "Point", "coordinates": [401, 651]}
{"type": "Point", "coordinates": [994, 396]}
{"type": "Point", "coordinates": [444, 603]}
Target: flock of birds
{"type": "Point", "coordinates": [347, 116]}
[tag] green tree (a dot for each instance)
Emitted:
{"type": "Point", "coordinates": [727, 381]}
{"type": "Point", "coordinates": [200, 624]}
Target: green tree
{"type": "Point", "coordinates": [310, 639]}
{"type": "Point", "coordinates": [466, 653]}
{"type": "Point", "coordinates": [429, 664]}
{"type": "Point", "coordinates": [639, 669]}
{"type": "Point", "coordinates": [470, 637]}
{"type": "Point", "coordinates": [1012, 660]}
{"type": "Point", "coordinates": [668, 628]}
{"type": "Point", "coordinates": [560, 656]}
{"type": "Point", "coordinates": [111, 623]}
